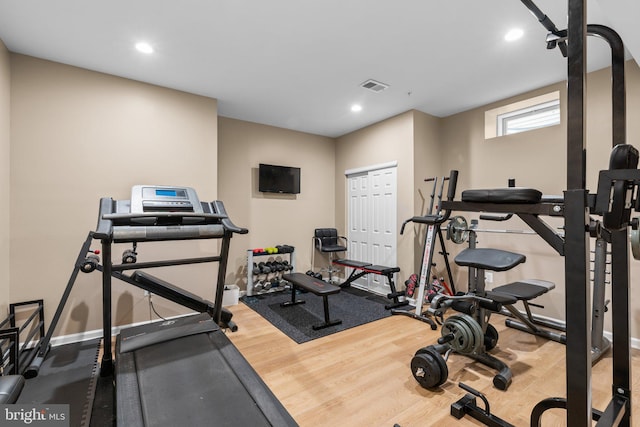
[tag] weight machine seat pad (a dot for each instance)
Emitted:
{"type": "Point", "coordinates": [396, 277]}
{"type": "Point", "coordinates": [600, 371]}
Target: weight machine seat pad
{"type": "Point", "coordinates": [525, 290]}
{"type": "Point", "coordinates": [489, 259]}
{"type": "Point", "coordinates": [502, 195]}
{"type": "Point", "coordinates": [10, 388]}
{"type": "Point", "coordinates": [351, 263]}
{"type": "Point", "coordinates": [311, 284]}
{"type": "Point", "coordinates": [500, 298]}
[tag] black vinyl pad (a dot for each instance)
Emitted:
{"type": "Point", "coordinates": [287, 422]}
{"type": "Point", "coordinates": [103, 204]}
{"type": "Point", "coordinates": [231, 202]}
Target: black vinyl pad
{"type": "Point", "coordinates": [311, 284]}
{"type": "Point", "coordinates": [489, 259]}
{"type": "Point", "coordinates": [381, 269]}
{"type": "Point", "coordinates": [522, 290]}
{"type": "Point", "coordinates": [502, 195]}
{"type": "Point", "coordinates": [351, 263]}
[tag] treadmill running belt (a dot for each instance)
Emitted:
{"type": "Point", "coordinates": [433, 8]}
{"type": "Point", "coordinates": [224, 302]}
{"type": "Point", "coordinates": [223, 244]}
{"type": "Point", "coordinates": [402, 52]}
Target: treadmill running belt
{"type": "Point", "coordinates": [200, 379]}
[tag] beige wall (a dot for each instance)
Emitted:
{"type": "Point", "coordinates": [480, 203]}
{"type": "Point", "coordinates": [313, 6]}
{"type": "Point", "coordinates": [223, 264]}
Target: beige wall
{"type": "Point", "coordinates": [274, 219]}
{"type": "Point", "coordinates": [427, 163]}
{"type": "Point", "coordinates": [77, 136]}
{"type": "Point", "coordinates": [383, 142]}
{"type": "Point", "coordinates": [5, 152]}
{"type": "Point", "coordinates": [538, 159]}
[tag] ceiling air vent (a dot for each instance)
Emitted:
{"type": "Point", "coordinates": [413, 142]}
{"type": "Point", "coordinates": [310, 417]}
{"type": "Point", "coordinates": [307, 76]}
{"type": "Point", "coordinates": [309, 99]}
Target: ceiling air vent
{"type": "Point", "coordinates": [374, 86]}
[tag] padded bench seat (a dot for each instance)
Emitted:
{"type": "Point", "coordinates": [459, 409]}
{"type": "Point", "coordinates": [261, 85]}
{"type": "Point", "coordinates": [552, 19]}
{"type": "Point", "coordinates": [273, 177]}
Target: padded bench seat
{"type": "Point", "coordinates": [10, 388]}
{"type": "Point", "coordinates": [502, 195]}
{"type": "Point", "coordinates": [489, 259]}
{"type": "Point", "coordinates": [361, 268]}
{"type": "Point", "coordinates": [316, 287]}
{"type": "Point", "coordinates": [525, 290]}
{"type": "Point", "coordinates": [351, 263]}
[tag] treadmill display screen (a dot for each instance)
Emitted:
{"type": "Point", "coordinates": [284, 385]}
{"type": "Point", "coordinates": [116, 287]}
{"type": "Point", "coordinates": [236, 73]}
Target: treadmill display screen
{"type": "Point", "coordinates": [166, 193]}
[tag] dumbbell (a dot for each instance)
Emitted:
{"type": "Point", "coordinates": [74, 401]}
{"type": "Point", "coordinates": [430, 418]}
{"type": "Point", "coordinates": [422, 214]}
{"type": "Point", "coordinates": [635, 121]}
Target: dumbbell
{"type": "Point", "coordinates": [256, 270]}
{"type": "Point", "coordinates": [287, 266]}
{"type": "Point", "coordinates": [264, 268]}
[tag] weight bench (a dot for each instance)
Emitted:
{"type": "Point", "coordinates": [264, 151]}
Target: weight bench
{"type": "Point", "coordinates": [316, 287]}
{"type": "Point", "coordinates": [525, 291]}
{"type": "Point", "coordinates": [361, 268]}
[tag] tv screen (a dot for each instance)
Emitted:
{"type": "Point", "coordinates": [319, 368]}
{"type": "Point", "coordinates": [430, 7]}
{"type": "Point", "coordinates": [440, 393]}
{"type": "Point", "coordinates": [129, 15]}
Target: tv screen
{"type": "Point", "coordinates": [278, 179]}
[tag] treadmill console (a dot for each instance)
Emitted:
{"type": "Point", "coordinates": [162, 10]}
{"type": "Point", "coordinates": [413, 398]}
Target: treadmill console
{"type": "Point", "coordinates": [157, 198]}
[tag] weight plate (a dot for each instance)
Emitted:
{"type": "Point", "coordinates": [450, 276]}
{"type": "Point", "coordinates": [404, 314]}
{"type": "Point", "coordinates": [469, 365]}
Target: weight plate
{"type": "Point", "coordinates": [426, 370]}
{"type": "Point", "coordinates": [490, 337]}
{"type": "Point", "coordinates": [458, 230]}
{"type": "Point", "coordinates": [442, 364]}
{"type": "Point", "coordinates": [469, 337]}
{"type": "Point", "coordinates": [478, 335]}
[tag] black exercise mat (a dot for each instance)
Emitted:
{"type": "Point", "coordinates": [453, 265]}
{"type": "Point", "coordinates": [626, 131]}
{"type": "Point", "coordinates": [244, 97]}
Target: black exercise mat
{"type": "Point", "coordinates": [66, 377]}
{"type": "Point", "coordinates": [353, 306]}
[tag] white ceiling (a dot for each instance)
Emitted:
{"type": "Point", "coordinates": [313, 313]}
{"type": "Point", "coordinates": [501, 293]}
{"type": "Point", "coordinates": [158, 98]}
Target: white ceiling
{"type": "Point", "coordinates": [298, 64]}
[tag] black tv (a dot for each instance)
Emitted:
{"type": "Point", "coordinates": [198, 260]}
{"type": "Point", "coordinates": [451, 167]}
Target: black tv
{"type": "Point", "coordinates": [278, 179]}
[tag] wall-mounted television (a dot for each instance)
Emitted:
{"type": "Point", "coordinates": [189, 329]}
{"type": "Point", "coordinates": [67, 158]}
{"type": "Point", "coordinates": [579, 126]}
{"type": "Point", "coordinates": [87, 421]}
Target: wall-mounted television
{"type": "Point", "coordinates": [278, 179]}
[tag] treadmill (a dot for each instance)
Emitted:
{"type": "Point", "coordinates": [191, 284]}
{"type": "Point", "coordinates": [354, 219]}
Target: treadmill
{"type": "Point", "coordinates": [177, 371]}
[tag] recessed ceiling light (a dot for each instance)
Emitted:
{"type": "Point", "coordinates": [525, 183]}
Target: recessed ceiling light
{"type": "Point", "coordinates": [356, 107]}
{"type": "Point", "coordinates": [144, 47]}
{"type": "Point", "coordinates": [513, 35]}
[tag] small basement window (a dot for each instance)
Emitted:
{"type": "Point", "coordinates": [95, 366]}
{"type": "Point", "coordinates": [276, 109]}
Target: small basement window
{"type": "Point", "coordinates": [535, 117]}
{"type": "Point", "coordinates": [534, 113]}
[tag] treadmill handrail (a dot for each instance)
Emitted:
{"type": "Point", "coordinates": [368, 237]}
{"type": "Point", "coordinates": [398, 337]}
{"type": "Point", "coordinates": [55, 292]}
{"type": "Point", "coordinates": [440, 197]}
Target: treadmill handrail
{"type": "Point", "coordinates": [218, 206]}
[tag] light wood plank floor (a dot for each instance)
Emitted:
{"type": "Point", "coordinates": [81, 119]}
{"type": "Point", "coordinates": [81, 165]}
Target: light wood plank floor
{"type": "Point", "coordinates": [361, 376]}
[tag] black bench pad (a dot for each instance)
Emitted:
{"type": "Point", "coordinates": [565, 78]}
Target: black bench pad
{"type": "Point", "coordinates": [311, 284]}
{"type": "Point", "coordinates": [351, 263]}
{"type": "Point", "coordinates": [502, 299]}
{"type": "Point", "coordinates": [525, 290]}
{"type": "Point", "coordinates": [366, 266]}
{"type": "Point", "coordinates": [381, 269]}
{"type": "Point", "coordinates": [502, 195]}
{"type": "Point", "coordinates": [10, 388]}
{"type": "Point", "coordinates": [489, 259]}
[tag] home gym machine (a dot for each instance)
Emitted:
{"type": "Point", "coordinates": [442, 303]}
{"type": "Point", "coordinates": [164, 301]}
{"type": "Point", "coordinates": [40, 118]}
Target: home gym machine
{"type": "Point", "coordinates": [527, 290]}
{"type": "Point", "coordinates": [616, 197]}
{"type": "Point", "coordinates": [180, 369]}
{"type": "Point", "coordinates": [433, 222]}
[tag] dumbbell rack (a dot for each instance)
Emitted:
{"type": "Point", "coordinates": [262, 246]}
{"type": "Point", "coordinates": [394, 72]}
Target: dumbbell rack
{"type": "Point", "coordinates": [250, 259]}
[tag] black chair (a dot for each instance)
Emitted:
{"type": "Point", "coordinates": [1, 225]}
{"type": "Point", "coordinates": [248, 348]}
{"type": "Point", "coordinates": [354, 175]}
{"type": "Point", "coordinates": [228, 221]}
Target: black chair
{"type": "Point", "coordinates": [327, 240]}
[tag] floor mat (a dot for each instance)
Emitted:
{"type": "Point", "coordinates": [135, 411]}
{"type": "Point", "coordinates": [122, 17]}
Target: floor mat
{"type": "Point", "coordinates": [353, 306]}
{"type": "Point", "coordinates": [67, 376]}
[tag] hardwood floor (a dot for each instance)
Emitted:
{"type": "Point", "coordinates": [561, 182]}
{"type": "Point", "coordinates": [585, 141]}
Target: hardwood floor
{"type": "Point", "coordinates": [361, 376]}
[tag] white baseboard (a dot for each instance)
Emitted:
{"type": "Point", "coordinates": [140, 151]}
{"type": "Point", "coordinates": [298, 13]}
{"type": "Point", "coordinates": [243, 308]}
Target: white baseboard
{"type": "Point", "coordinates": [97, 333]}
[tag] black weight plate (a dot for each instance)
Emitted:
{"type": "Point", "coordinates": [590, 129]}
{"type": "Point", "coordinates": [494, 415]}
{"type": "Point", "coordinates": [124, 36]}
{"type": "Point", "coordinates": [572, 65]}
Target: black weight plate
{"type": "Point", "coordinates": [490, 337]}
{"type": "Point", "coordinates": [426, 370]}
{"type": "Point", "coordinates": [442, 364]}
